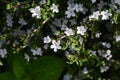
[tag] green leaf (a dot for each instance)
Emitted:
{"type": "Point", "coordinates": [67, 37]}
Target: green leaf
{"type": "Point", "coordinates": [6, 76]}
{"type": "Point", "coordinates": [18, 67]}
{"type": "Point", "coordinates": [47, 68]}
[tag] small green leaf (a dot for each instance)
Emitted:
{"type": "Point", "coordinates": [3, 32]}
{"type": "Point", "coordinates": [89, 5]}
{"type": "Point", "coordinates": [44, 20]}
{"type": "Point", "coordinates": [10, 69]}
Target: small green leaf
{"type": "Point", "coordinates": [6, 76]}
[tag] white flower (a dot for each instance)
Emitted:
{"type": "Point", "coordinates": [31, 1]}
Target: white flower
{"type": "Point", "coordinates": [54, 8]}
{"type": "Point", "coordinates": [117, 1]}
{"type": "Point", "coordinates": [22, 21]}
{"type": "Point", "coordinates": [105, 15]}
{"type": "Point", "coordinates": [3, 53]}
{"type": "Point", "coordinates": [9, 20]}
{"type": "Point", "coordinates": [118, 38]}
{"type": "Point", "coordinates": [27, 57]}
{"type": "Point", "coordinates": [46, 46]}
{"type": "Point", "coordinates": [95, 15]}
{"type": "Point", "coordinates": [93, 1]}
{"type": "Point", "coordinates": [78, 7]}
{"type": "Point", "coordinates": [81, 30]}
{"type": "Point", "coordinates": [97, 35]}
{"type": "Point", "coordinates": [55, 45]}
{"type": "Point", "coordinates": [67, 77]}
{"type": "Point", "coordinates": [85, 71]}
{"type": "Point", "coordinates": [70, 13]}
{"type": "Point", "coordinates": [107, 45]}
{"type": "Point", "coordinates": [36, 12]}
{"type": "Point", "coordinates": [104, 68]}
{"type": "Point", "coordinates": [108, 55]}
{"type": "Point", "coordinates": [69, 32]}
{"type": "Point", "coordinates": [37, 52]}
{"type": "Point", "coordinates": [42, 2]}
{"type": "Point", "coordinates": [47, 39]}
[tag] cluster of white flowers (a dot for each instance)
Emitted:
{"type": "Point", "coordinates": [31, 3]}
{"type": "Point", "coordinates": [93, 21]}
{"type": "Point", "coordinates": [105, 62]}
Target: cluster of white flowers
{"type": "Point", "coordinates": [72, 8]}
{"type": "Point", "coordinates": [9, 20]}
{"type": "Point", "coordinates": [108, 55]}
{"type": "Point", "coordinates": [105, 15]}
{"type": "Point", "coordinates": [36, 12]}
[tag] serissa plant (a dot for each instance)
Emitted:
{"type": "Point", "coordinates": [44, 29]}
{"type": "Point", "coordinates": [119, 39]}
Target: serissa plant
{"type": "Point", "coordinates": [85, 32]}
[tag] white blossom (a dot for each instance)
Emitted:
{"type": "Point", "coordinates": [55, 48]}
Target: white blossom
{"type": "Point", "coordinates": [54, 8]}
{"type": "Point", "coordinates": [85, 71]}
{"type": "Point", "coordinates": [93, 1]}
{"type": "Point", "coordinates": [47, 39]}
{"type": "Point", "coordinates": [66, 77]}
{"type": "Point", "coordinates": [78, 7]}
{"type": "Point", "coordinates": [70, 13]}
{"type": "Point", "coordinates": [118, 38]}
{"type": "Point", "coordinates": [42, 2]}
{"type": "Point", "coordinates": [9, 20]}
{"type": "Point", "coordinates": [108, 55]}
{"type": "Point", "coordinates": [105, 15]}
{"type": "Point", "coordinates": [117, 1]}
{"type": "Point", "coordinates": [55, 45]}
{"type": "Point", "coordinates": [95, 15]}
{"type": "Point", "coordinates": [104, 68]}
{"type": "Point", "coordinates": [97, 35]}
{"type": "Point", "coordinates": [37, 52]}
{"type": "Point", "coordinates": [69, 32]}
{"type": "Point", "coordinates": [81, 30]}
{"type": "Point", "coordinates": [36, 12]}
{"type": "Point", "coordinates": [27, 57]}
{"type": "Point", "coordinates": [3, 53]}
{"type": "Point", "coordinates": [22, 21]}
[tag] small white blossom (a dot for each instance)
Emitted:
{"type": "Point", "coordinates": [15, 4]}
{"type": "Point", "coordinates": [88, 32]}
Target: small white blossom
{"type": "Point", "coordinates": [46, 46]}
{"type": "Point", "coordinates": [55, 45]}
{"type": "Point", "coordinates": [108, 55]}
{"type": "Point", "coordinates": [36, 12]}
{"type": "Point", "coordinates": [105, 15]}
{"type": "Point", "coordinates": [81, 30]}
{"type": "Point", "coordinates": [47, 39]}
{"type": "Point", "coordinates": [117, 1]}
{"type": "Point", "coordinates": [67, 77]}
{"type": "Point", "coordinates": [107, 45]}
{"type": "Point", "coordinates": [93, 1]}
{"type": "Point", "coordinates": [70, 13]}
{"type": "Point", "coordinates": [27, 57]}
{"type": "Point", "coordinates": [37, 52]}
{"type": "Point", "coordinates": [9, 20]}
{"type": "Point", "coordinates": [42, 2]}
{"type": "Point", "coordinates": [118, 38]}
{"type": "Point", "coordinates": [69, 32]}
{"type": "Point", "coordinates": [85, 71]}
{"type": "Point", "coordinates": [3, 53]}
{"type": "Point", "coordinates": [22, 21]}
{"type": "Point", "coordinates": [95, 15]}
{"type": "Point", "coordinates": [97, 35]}
{"type": "Point", "coordinates": [104, 68]}
{"type": "Point", "coordinates": [78, 7]}
{"type": "Point", "coordinates": [54, 8]}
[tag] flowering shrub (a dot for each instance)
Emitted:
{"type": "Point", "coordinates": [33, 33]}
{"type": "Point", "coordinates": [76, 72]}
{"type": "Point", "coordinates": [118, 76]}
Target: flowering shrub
{"type": "Point", "coordinates": [86, 34]}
